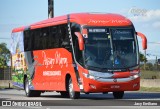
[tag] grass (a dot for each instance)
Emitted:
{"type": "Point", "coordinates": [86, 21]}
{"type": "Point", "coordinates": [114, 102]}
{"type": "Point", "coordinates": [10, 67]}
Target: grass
{"type": "Point", "coordinates": [145, 74]}
{"type": "Point", "coordinates": [4, 87]}
{"type": "Point", "coordinates": [150, 89]}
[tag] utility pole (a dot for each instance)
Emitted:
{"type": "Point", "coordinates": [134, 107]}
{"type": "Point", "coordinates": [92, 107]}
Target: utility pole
{"type": "Point", "coordinates": [156, 63]}
{"type": "Point", "coordinates": [145, 60]}
{"type": "Point", "coordinates": [50, 8]}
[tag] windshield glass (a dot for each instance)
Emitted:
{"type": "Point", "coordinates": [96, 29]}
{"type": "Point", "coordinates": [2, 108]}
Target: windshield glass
{"type": "Point", "coordinates": [110, 48]}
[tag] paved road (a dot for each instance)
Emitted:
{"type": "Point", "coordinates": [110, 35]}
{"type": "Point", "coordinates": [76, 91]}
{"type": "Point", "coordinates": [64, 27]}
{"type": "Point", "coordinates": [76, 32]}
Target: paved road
{"type": "Point", "coordinates": [54, 99]}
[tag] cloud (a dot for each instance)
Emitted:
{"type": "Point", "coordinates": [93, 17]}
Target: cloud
{"type": "Point", "coordinates": [149, 23]}
{"type": "Point", "coordinates": [145, 16]}
{"type": "Point", "coordinates": [148, 18]}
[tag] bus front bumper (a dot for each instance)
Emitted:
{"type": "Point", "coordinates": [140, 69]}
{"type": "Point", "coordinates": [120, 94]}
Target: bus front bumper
{"type": "Point", "coordinates": [110, 85]}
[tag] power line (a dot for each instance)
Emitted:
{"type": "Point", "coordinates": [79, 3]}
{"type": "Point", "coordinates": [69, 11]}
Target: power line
{"type": "Point", "coordinates": [149, 54]}
{"type": "Point", "coordinates": [5, 38]}
{"type": "Point", "coordinates": [152, 42]}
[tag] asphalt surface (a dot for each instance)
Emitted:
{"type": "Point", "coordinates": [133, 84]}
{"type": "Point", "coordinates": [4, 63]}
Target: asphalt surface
{"type": "Point", "coordinates": [133, 100]}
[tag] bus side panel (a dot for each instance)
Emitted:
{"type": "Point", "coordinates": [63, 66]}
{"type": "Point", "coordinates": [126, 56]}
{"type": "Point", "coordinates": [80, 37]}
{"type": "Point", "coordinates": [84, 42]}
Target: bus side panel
{"type": "Point", "coordinates": [19, 66]}
{"type": "Point", "coordinates": [51, 67]}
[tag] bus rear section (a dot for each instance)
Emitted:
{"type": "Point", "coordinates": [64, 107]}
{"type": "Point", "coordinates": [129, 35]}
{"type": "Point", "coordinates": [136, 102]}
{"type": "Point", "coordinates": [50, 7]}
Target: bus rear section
{"type": "Point", "coordinates": [89, 53]}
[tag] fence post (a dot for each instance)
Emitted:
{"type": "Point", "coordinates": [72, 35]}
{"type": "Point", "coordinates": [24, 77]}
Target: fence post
{"type": "Point", "coordinates": [3, 74]}
{"type": "Point", "coordinates": [9, 77]}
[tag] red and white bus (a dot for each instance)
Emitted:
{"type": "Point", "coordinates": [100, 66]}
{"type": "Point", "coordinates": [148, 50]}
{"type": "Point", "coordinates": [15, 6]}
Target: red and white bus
{"type": "Point", "coordinates": [74, 53]}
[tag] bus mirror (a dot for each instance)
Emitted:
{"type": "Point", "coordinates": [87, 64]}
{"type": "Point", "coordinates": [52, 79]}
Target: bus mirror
{"type": "Point", "coordinates": [144, 40]}
{"type": "Point", "coordinates": [80, 40]}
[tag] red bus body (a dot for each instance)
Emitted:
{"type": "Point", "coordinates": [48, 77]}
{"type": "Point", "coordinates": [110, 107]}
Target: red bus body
{"type": "Point", "coordinates": [52, 67]}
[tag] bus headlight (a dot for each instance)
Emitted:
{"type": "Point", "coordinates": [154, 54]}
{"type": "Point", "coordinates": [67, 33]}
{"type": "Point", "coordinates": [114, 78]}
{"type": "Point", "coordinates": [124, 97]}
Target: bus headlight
{"type": "Point", "coordinates": [89, 76]}
{"type": "Point", "coordinates": [92, 77]}
{"type": "Point", "coordinates": [85, 75]}
{"type": "Point", "coordinates": [96, 75]}
{"type": "Point", "coordinates": [135, 76]}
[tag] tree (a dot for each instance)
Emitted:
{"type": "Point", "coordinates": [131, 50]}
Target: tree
{"type": "Point", "coordinates": [149, 66]}
{"type": "Point", "coordinates": [142, 57]}
{"type": "Point", "coordinates": [4, 55]}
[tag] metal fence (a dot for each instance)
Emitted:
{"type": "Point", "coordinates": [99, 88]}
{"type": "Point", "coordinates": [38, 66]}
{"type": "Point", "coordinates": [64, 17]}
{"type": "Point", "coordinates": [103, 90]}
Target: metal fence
{"type": "Point", "coordinates": [5, 73]}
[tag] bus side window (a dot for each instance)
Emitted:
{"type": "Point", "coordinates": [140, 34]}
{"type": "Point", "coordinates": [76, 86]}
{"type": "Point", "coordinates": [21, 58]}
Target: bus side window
{"type": "Point", "coordinates": [32, 35]}
{"type": "Point", "coordinates": [44, 38]}
{"type": "Point", "coordinates": [64, 38]}
{"type": "Point", "coordinates": [39, 40]}
{"type": "Point", "coordinates": [36, 39]}
{"type": "Point", "coordinates": [57, 38]}
{"type": "Point", "coordinates": [27, 41]}
{"type": "Point", "coordinates": [64, 41]}
{"type": "Point", "coordinates": [44, 35]}
{"type": "Point", "coordinates": [51, 39]}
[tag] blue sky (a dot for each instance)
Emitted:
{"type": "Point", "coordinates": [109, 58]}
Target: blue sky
{"type": "Point", "coordinates": [15, 13]}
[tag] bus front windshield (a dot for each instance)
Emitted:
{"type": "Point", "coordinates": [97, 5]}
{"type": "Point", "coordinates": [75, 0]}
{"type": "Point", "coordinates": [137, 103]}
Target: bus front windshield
{"type": "Point", "coordinates": [111, 49]}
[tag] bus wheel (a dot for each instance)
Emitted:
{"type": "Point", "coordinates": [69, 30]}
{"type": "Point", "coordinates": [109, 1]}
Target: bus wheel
{"type": "Point", "coordinates": [64, 94]}
{"type": "Point", "coordinates": [72, 93]}
{"type": "Point", "coordinates": [118, 95]}
{"type": "Point", "coordinates": [30, 93]}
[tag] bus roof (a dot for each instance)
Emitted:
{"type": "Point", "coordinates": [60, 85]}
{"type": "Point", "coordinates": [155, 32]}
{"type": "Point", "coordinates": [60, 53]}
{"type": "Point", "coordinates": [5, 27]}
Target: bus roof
{"type": "Point", "coordinates": [90, 19]}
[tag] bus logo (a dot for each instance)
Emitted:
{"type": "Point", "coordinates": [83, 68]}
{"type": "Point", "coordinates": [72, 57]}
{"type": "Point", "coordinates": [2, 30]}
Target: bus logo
{"type": "Point", "coordinates": [115, 80]}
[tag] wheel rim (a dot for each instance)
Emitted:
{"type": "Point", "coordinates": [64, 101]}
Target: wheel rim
{"type": "Point", "coordinates": [71, 89]}
{"type": "Point", "coordinates": [27, 87]}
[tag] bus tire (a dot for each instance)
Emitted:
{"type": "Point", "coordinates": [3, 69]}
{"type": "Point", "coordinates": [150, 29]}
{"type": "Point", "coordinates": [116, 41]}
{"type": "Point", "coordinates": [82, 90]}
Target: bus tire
{"type": "Point", "coordinates": [72, 94]}
{"type": "Point", "coordinates": [118, 95]}
{"type": "Point", "coordinates": [30, 93]}
{"type": "Point", "coordinates": [64, 94]}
